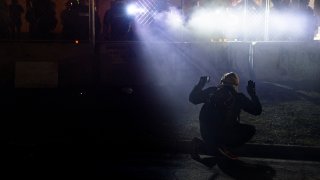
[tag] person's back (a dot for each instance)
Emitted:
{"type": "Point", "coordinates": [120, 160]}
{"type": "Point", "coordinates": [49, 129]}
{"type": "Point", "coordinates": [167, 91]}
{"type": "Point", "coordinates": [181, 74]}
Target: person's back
{"type": "Point", "coordinates": [220, 115]}
{"type": "Point", "coordinates": [118, 21]}
{"type": "Point", "coordinates": [224, 109]}
{"type": "Point", "coordinates": [309, 20]}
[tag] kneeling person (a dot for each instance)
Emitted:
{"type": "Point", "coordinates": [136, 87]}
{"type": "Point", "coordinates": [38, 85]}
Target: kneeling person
{"type": "Point", "coordinates": [219, 117]}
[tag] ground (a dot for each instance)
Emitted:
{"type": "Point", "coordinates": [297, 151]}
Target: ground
{"type": "Point", "coordinates": [289, 117]}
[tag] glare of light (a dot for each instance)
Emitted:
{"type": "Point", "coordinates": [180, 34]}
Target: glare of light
{"type": "Point", "coordinates": [76, 41]}
{"type": "Point", "coordinates": [231, 24]}
{"type": "Point", "coordinates": [299, 26]}
{"type": "Point", "coordinates": [203, 21]}
{"type": "Point", "coordinates": [174, 19]}
{"type": "Point", "coordinates": [226, 23]}
{"type": "Point", "coordinates": [133, 9]}
{"type": "Point", "coordinates": [317, 36]}
{"type": "Point", "coordinates": [292, 25]}
{"type": "Point", "coordinates": [279, 23]}
{"type": "Point", "coordinates": [232, 21]}
{"type": "Point", "coordinates": [209, 21]}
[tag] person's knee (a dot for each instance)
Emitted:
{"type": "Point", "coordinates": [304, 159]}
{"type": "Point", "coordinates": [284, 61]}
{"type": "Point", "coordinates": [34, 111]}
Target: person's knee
{"type": "Point", "coordinates": [249, 130]}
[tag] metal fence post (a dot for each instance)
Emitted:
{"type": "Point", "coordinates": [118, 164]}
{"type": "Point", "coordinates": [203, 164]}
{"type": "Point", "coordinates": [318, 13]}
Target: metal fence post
{"type": "Point", "coordinates": [266, 21]}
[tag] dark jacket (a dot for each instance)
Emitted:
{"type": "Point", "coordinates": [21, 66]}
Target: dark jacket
{"type": "Point", "coordinates": [215, 121]}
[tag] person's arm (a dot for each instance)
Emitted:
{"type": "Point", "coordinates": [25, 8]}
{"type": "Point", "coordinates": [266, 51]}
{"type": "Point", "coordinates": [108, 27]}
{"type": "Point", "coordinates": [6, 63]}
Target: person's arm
{"type": "Point", "coordinates": [198, 95]}
{"type": "Point", "coordinates": [253, 105]}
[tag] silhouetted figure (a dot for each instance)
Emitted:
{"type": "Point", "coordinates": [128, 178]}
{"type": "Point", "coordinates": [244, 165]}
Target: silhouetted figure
{"type": "Point", "coordinates": [309, 21]}
{"type": "Point", "coordinates": [220, 125]}
{"type": "Point", "coordinates": [117, 25]}
{"type": "Point", "coordinates": [4, 20]}
{"type": "Point", "coordinates": [41, 16]}
{"type": "Point", "coordinates": [15, 12]}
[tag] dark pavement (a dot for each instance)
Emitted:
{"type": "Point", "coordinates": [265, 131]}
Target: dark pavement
{"type": "Point", "coordinates": [108, 135]}
{"type": "Point", "coordinates": [77, 163]}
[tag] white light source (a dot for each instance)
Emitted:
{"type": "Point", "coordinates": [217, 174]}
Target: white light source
{"type": "Point", "coordinates": [134, 9]}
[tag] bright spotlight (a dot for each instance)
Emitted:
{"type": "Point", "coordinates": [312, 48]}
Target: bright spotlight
{"type": "Point", "coordinates": [134, 9]}
{"type": "Point", "coordinates": [131, 9]}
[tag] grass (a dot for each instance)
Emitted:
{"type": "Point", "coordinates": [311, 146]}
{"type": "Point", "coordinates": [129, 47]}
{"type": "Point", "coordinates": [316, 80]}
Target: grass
{"type": "Point", "coordinates": [292, 123]}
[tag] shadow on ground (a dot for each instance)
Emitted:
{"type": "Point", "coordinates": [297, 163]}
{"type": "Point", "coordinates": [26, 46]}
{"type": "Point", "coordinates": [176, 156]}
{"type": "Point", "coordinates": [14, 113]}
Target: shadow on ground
{"type": "Point", "coordinates": [238, 169]}
{"type": "Point", "coordinates": [243, 170]}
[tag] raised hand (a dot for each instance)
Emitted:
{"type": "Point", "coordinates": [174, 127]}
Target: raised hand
{"type": "Point", "coordinates": [251, 88]}
{"type": "Point", "coordinates": [203, 80]}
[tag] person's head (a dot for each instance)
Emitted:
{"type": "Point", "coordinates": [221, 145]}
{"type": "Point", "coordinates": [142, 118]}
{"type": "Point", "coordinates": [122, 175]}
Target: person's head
{"type": "Point", "coordinates": [230, 78]}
